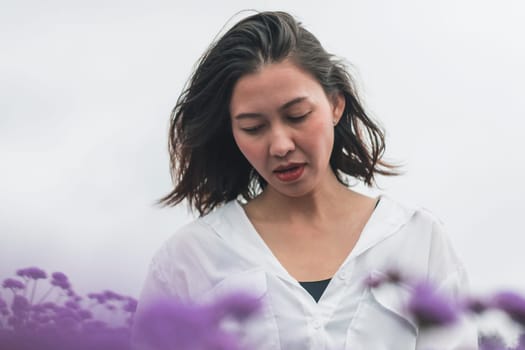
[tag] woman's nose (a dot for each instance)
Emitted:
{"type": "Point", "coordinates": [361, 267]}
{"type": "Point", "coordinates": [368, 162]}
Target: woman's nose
{"type": "Point", "coordinates": [281, 143]}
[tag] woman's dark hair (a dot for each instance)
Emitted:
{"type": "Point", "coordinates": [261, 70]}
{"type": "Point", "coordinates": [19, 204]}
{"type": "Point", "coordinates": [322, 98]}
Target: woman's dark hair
{"type": "Point", "coordinates": [207, 167]}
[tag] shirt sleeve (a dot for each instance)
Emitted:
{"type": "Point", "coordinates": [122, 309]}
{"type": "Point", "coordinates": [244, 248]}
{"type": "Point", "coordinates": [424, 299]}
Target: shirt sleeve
{"type": "Point", "coordinates": [161, 283]}
{"type": "Point", "coordinates": [157, 284]}
{"type": "Point", "coordinates": [447, 272]}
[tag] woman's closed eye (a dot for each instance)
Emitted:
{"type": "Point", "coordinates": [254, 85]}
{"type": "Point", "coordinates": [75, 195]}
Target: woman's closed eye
{"type": "Point", "coordinates": [252, 129]}
{"type": "Point", "coordinates": [298, 118]}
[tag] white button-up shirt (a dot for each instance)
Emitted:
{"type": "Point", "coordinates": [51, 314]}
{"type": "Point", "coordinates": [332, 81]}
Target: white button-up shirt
{"type": "Point", "coordinates": [222, 252]}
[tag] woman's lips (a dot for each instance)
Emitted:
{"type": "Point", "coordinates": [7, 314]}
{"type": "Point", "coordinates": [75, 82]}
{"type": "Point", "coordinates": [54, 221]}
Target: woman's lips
{"type": "Point", "coordinates": [290, 173]}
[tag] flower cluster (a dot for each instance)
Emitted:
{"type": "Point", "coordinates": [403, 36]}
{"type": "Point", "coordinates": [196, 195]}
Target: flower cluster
{"type": "Point", "coordinates": [60, 319]}
{"type": "Point", "coordinates": [169, 325]}
{"type": "Point", "coordinates": [431, 308]}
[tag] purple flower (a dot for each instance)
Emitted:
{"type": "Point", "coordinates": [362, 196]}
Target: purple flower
{"type": "Point", "coordinates": [430, 308]}
{"type": "Point", "coordinates": [168, 321]}
{"type": "Point", "coordinates": [492, 342]}
{"type": "Point", "coordinates": [157, 324]}
{"type": "Point", "coordinates": [394, 276]}
{"type": "Point", "coordinates": [374, 281]}
{"type": "Point", "coordinates": [72, 305]}
{"type": "Point", "coordinates": [60, 280]}
{"type": "Point", "coordinates": [63, 312]}
{"type": "Point", "coordinates": [476, 306]}
{"type": "Point", "coordinates": [85, 314]}
{"type": "Point", "coordinates": [62, 326]}
{"type": "Point", "coordinates": [390, 276]}
{"type": "Point", "coordinates": [521, 342]}
{"type": "Point", "coordinates": [20, 304]}
{"type": "Point", "coordinates": [110, 295]}
{"type": "Point", "coordinates": [3, 304]}
{"type": "Point", "coordinates": [100, 298]}
{"type": "Point", "coordinates": [4, 310]}
{"type": "Point", "coordinates": [49, 306]}
{"type": "Point", "coordinates": [32, 272]}
{"type": "Point", "coordinates": [130, 305]}
{"type": "Point", "coordinates": [240, 306]}
{"type": "Point", "coordinates": [13, 284]}
{"type": "Point", "coordinates": [94, 326]}
{"type": "Point", "coordinates": [512, 304]}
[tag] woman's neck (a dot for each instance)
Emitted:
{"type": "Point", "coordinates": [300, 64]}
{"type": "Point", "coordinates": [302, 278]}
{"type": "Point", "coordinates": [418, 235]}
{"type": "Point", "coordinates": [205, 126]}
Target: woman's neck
{"type": "Point", "coordinates": [325, 204]}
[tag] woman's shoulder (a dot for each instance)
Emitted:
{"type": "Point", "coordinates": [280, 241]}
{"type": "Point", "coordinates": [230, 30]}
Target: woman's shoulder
{"type": "Point", "coordinates": [426, 238]}
{"type": "Point", "coordinates": [408, 211]}
{"type": "Point", "coordinates": [204, 232]}
{"type": "Point", "coordinates": [409, 226]}
{"type": "Point", "coordinates": [190, 256]}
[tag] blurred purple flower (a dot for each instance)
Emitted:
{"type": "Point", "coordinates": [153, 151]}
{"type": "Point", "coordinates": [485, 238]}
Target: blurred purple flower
{"type": "Point", "coordinates": [4, 310]}
{"type": "Point", "coordinates": [64, 312]}
{"type": "Point", "coordinates": [32, 272]}
{"type": "Point", "coordinates": [374, 281]}
{"type": "Point", "coordinates": [60, 280]}
{"type": "Point", "coordinates": [390, 276]}
{"type": "Point", "coordinates": [512, 304]}
{"type": "Point", "coordinates": [105, 338]}
{"type": "Point", "coordinates": [13, 284]}
{"type": "Point", "coordinates": [60, 326]}
{"type": "Point", "coordinates": [240, 306]}
{"type": "Point", "coordinates": [475, 305]}
{"type": "Point", "coordinates": [191, 327]}
{"type": "Point", "coordinates": [85, 314]}
{"type": "Point", "coordinates": [130, 305]}
{"type": "Point", "coordinates": [492, 342]}
{"type": "Point", "coordinates": [168, 322]}
{"type": "Point", "coordinates": [72, 305]}
{"type": "Point", "coordinates": [94, 325]}
{"type": "Point", "coordinates": [20, 304]}
{"type": "Point", "coordinates": [110, 295]}
{"type": "Point", "coordinates": [100, 298]}
{"type": "Point", "coordinates": [521, 342]}
{"type": "Point", "coordinates": [49, 306]}
{"type": "Point", "coordinates": [394, 276]}
{"type": "Point", "coordinates": [430, 308]}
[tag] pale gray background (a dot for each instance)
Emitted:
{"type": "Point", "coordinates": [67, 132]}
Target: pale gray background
{"type": "Point", "coordinates": [87, 87]}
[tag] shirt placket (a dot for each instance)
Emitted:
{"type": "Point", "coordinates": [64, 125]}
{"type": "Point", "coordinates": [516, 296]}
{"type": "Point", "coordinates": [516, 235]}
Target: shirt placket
{"type": "Point", "coordinates": [322, 312]}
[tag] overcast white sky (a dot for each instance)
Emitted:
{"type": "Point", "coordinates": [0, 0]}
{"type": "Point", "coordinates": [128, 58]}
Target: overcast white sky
{"type": "Point", "coordinates": [87, 87]}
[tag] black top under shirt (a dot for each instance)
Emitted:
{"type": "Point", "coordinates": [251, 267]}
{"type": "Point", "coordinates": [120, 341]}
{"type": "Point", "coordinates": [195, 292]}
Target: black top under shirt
{"type": "Point", "coordinates": [317, 288]}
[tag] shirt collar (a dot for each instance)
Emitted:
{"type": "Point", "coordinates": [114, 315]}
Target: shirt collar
{"type": "Point", "coordinates": [388, 217]}
{"type": "Point", "coordinates": [233, 225]}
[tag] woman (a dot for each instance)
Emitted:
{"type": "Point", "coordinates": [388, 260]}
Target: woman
{"type": "Point", "coordinates": [262, 141]}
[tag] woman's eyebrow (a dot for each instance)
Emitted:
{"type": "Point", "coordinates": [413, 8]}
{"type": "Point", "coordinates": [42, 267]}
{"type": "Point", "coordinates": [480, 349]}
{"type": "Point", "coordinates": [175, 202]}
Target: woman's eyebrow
{"type": "Point", "coordinates": [247, 116]}
{"type": "Point", "coordinates": [292, 102]}
{"type": "Point", "coordinates": [282, 108]}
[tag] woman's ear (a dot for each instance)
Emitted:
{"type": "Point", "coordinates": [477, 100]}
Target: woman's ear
{"type": "Point", "coordinates": [338, 105]}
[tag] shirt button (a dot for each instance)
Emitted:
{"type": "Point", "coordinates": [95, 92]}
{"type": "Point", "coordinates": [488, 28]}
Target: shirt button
{"type": "Point", "coordinates": [316, 324]}
{"type": "Point", "coordinates": [342, 275]}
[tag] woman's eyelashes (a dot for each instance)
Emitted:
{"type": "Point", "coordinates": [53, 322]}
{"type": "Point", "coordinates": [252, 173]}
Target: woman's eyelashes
{"type": "Point", "coordinates": [296, 119]}
{"type": "Point", "coordinates": [252, 129]}
{"type": "Point", "coordinates": [292, 119]}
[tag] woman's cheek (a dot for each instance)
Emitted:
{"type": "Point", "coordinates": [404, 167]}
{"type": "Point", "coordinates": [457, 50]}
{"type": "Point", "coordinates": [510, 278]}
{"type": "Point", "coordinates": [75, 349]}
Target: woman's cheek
{"type": "Point", "coordinates": [251, 150]}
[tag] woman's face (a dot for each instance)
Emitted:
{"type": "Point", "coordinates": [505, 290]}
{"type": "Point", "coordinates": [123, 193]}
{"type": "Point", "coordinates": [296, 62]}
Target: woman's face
{"type": "Point", "coordinates": [283, 123]}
